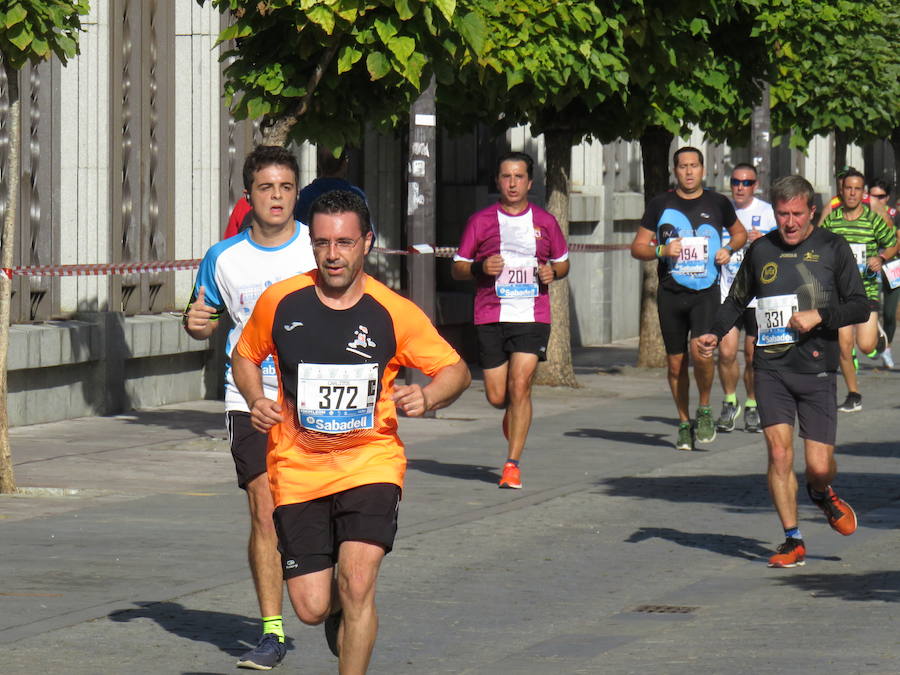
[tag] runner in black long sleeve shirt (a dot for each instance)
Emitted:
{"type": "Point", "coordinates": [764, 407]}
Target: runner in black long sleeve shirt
{"type": "Point", "coordinates": [807, 284]}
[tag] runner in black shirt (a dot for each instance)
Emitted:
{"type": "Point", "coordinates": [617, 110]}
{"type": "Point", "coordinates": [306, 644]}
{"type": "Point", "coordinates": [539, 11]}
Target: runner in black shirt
{"type": "Point", "coordinates": [807, 286]}
{"type": "Point", "coordinates": [683, 230]}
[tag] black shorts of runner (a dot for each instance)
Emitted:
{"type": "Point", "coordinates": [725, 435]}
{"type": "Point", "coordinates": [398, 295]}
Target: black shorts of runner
{"type": "Point", "coordinates": [311, 533]}
{"type": "Point", "coordinates": [248, 447]}
{"type": "Point", "coordinates": [683, 312]}
{"type": "Point", "coordinates": [496, 341]}
{"type": "Point", "coordinates": [747, 322]}
{"type": "Point", "coordinates": [811, 398]}
{"type": "Point", "coordinates": [874, 305]}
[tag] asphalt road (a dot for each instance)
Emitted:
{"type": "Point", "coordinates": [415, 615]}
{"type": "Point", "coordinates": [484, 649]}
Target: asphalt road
{"type": "Point", "coordinates": [126, 554]}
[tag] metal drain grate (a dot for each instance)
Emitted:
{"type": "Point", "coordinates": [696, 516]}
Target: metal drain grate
{"type": "Point", "coordinates": [665, 609]}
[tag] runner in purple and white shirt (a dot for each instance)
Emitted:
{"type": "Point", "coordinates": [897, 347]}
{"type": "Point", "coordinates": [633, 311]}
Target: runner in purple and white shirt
{"type": "Point", "coordinates": [513, 250]}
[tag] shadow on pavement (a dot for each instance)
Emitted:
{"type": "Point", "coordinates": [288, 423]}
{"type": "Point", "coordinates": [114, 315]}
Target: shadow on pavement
{"type": "Point", "coordinates": [486, 474]}
{"type": "Point", "coordinates": [636, 437]}
{"type": "Point", "coordinates": [865, 587]}
{"type": "Point", "coordinates": [866, 492]}
{"type": "Point", "coordinates": [724, 544]}
{"type": "Point", "coordinates": [671, 421]}
{"type": "Point", "coordinates": [224, 631]}
{"type": "Point", "coordinates": [748, 491]}
{"type": "Point", "coordinates": [212, 423]}
{"type": "Point", "coordinates": [868, 449]}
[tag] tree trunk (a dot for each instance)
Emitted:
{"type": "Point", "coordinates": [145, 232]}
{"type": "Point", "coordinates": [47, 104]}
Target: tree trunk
{"type": "Point", "coordinates": [895, 144]}
{"type": "Point", "coordinates": [11, 177]}
{"type": "Point", "coordinates": [761, 141]}
{"type": "Point", "coordinates": [557, 369]}
{"type": "Point", "coordinates": [276, 130]}
{"type": "Point", "coordinates": [655, 143]}
{"type": "Point", "coordinates": [840, 150]}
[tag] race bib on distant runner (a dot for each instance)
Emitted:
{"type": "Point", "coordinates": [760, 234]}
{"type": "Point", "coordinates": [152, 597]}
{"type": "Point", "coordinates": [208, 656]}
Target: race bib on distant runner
{"type": "Point", "coordinates": [694, 256]}
{"type": "Point", "coordinates": [335, 399]}
{"type": "Point", "coordinates": [517, 282]}
{"type": "Point", "coordinates": [772, 316]}
{"type": "Point", "coordinates": [892, 273]}
{"type": "Point", "coordinates": [859, 253]}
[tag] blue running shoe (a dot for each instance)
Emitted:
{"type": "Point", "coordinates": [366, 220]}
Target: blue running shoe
{"type": "Point", "coordinates": [264, 656]}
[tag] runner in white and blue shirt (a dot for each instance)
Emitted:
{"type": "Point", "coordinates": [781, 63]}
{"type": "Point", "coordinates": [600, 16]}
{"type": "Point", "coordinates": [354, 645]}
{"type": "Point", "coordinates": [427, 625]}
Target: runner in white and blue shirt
{"type": "Point", "coordinates": [234, 273]}
{"type": "Point", "coordinates": [758, 219]}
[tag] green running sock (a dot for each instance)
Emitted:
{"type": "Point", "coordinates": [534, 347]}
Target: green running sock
{"type": "Point", "coordinates": [273, 624]}
{"type": "Point", "coordinates": [750, 403]}
{"type": "Point", "coordinates": [731, 398]}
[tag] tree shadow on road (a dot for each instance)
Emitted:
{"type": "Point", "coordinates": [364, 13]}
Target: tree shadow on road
{"type": "Point", "coordinates": [725, 544]}
{"type": "Point", "coordinates": [869, 449]}
{"type": "Point", "coordinates": [864, 587]}
{"type": "Point", "coordinates": [485, 474]}
{"type": "Point", "coordinates": [671, 421]}
{"type": "Point", "coordinates": [205, 422]}
{"type": "Point", "coordinates": [742, 493]}
{"type": "Point", "coordinates": [636, 437]}
{"type": "Point", "coordinates": [227, 632]}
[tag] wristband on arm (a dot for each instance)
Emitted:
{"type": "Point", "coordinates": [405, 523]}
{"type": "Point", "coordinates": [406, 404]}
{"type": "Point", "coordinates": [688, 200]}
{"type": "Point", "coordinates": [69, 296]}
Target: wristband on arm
{"type": "Point", "coordinates": [477, 268]}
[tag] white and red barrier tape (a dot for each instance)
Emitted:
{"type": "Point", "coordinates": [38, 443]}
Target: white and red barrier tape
{"type": "Point", "coordinates": [170, 265]}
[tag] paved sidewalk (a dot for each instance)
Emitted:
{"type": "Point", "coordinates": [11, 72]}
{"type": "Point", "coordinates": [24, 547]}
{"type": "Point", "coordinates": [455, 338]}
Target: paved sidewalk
{"type": "Point", "coordinates": [126, 554]}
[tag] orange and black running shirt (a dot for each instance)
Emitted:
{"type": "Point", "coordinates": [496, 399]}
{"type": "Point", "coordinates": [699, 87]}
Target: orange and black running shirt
{"type": "Point", "coordinates": [336, 371]}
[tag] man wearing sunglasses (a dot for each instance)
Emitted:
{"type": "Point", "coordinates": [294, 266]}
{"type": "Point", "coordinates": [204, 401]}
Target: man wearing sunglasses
{"type": "Point", "coordinates": [873, 243]}
{"type": "Point", "coordinates": [759, 219]}
{"type": "Point", "coordinates": [879, 192]}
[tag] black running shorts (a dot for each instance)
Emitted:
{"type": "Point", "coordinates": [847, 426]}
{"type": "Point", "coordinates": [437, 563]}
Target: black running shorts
{"type": "Point", "coordinates": [496, 341]}
{"type": "Point", "coordinates": [311, 533]}
{"type": "Point", "coordinates": [248, 447]}
{"type": "Point", "coordinates": [811, 398]}
{"type": "Point", "coordinates": [747, 322]}
{"type": "Point", "coordinates": [683, 312]}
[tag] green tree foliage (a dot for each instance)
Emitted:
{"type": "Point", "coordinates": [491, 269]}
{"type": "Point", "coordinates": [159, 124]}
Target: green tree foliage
{"type": "Point", "coordinates": [340, 64]}
{"type": "Point", "coordinates": [35, 30]}
{"type": "Point", "coordinates": [30, 31]}
{"type": "Point", "coordinates": [837, 68]}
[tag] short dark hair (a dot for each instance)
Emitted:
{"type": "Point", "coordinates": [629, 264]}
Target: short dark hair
{"type": "Point", "coordinates": [883, 183]}
{"type": "Point", "coordinates": [342, 201]}
{"type": "Point", "coordinates": [267, 155]}
{"type": "Point", "coordinates": [745, 165]}
{"type": "Point", "coordinates": [681, 151]}
{"type": "Point", "coordinates": [516, 157]}
{"type": "Point", "coordinates": [787, 188]}
{"type": "Point", "coordinates": [853, 173]}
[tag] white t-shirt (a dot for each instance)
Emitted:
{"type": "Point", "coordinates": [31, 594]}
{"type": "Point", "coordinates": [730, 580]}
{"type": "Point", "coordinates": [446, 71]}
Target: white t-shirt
{"type": "Point", "coordinates": [759, 216]}
{"type": "Point", "coordinates": [234, 273]}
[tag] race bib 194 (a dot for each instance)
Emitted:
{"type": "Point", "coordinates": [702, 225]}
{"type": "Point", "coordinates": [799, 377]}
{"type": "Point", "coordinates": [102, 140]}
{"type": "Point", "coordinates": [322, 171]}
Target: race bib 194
{"type": "Point", "coordinates": [694, 256]}
{"type": "Point", "coordinates": [517, 282]}
{"type": "Point", "coordinates": [892, 273]}
{"type": "Point", "coordinates": [772, 316]}
{"type": "Point", "coordinates": [335, 399]}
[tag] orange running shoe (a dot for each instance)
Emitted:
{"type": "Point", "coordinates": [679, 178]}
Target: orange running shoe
{"type": "Point", "coordinates": [790, 554]}
{"type": "Point", "coordinates": [512, 477]}
{"type": "Point", "coordinates": [840, 514]}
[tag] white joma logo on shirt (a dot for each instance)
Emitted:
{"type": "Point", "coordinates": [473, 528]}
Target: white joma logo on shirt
{"type": "Point", "coordinates": [292, 326]}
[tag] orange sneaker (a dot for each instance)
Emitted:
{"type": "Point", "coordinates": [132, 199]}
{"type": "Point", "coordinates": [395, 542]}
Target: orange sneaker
{"type": "Point", "coordinates": [790, 554]}
{"type": "Point", "coordinates": [512, 477]}
{"type": "Point", "coordinates": [840, 514]}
